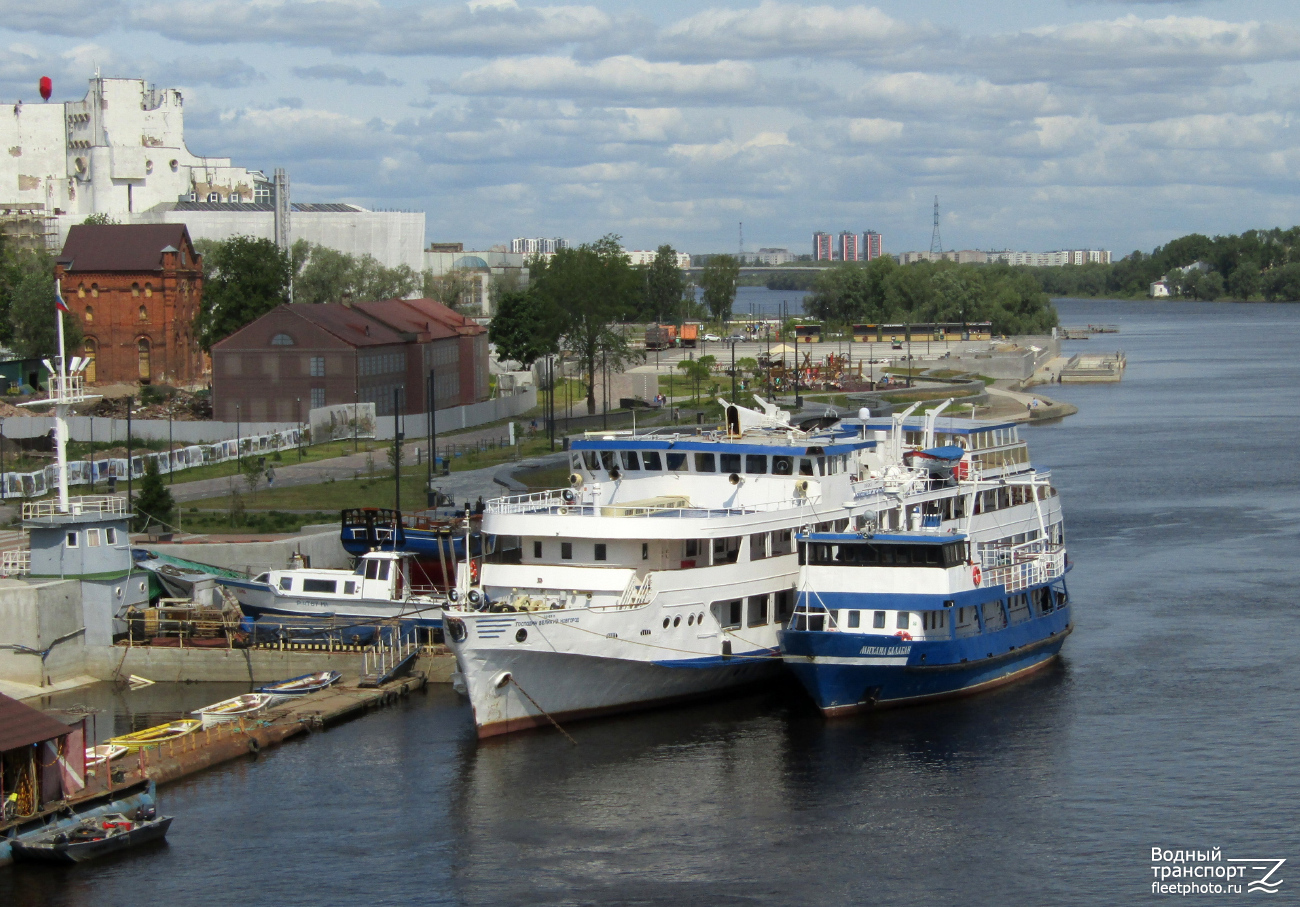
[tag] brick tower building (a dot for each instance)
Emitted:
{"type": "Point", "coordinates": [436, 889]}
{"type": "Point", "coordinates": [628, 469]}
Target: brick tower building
{"type": "Point", "coordinates": [135, 288]}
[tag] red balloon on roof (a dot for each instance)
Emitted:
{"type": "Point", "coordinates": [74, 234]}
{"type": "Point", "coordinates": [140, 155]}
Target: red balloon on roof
{"type": "Point", "coordinates": [47, 87]}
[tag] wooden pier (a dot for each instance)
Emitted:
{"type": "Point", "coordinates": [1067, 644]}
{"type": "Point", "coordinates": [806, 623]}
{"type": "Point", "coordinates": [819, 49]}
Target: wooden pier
{"type": "Point", "coordinates": [204, 749]}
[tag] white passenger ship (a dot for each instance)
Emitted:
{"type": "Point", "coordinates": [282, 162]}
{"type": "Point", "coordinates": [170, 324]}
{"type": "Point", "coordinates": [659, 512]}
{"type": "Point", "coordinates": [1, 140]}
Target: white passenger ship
{"type": "Point", "coordinates": [663, 573]}
{"type": "Point", "coordinates": [669, 567]}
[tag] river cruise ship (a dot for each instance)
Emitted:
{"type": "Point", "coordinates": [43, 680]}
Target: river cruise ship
{"type": "Point", "coordinates": [956, 586]}
{"type": "Point", "coordinates": [662, 573]}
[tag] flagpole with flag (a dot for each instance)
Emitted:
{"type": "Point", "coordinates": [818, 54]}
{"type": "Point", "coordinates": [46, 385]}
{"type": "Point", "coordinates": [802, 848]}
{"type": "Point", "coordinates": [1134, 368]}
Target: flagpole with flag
{"type": "Point", "coordinates": [61, 308]}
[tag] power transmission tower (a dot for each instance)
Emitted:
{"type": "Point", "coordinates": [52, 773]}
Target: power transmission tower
{"type": "Point", "coordinates": [742, 241]}
{"type": "Point", "coordinates": [936, 244]}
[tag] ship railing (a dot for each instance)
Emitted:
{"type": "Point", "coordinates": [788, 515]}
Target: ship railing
{"type": "Point", "coordinates": [98, 503]}
{"type": "Point", "coordinates": [17, 562]}
{"type": "Point", "coordinates": [1019, 567]}
{"type": "Point", "coordinates": [636, 594]}
{"type": "Point", "coordinates": [557, 503]}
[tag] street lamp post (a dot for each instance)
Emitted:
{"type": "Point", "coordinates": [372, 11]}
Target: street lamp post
{"type": "Point", "coordinates": [733, 371]}
{"type": "Point", "coordinates": [129, 402]}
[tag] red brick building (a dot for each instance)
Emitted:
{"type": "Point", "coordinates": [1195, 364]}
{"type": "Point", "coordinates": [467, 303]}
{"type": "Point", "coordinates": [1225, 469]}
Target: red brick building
{"type": "Point", "coordinates": [296, 358]}
{"type": "Point", "coordinates": [135, 288]}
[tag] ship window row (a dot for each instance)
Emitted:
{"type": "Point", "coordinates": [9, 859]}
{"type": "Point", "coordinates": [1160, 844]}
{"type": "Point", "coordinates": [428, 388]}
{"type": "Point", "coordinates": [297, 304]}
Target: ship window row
{"type": "Point", "coordinates": [92, 538]}
{"type": "Point", "coordinates": [971, 620]}
{"type": "Point", "coordinates": [693, 552]}
{"type": "Point", "coordinates": [755, 610]}
{"type": "Point", "coordinates": [978, 440]}
{"type": "Point", "coordinates": [708, 463]}
{"type": "Point", "coordinates": [877, 554]}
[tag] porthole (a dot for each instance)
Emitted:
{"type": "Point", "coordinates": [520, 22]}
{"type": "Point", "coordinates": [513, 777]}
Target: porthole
{"type": "Point", "coordinates": [677, 621]}
{"type": "Point", "coordinates": [699, 618]}
{"type": "Point", "coordinates": [666, 622]}
{"type": "Point", "coordinates": [690, 621]}
{"type": "Point", "coordinates": [142, 587]}
{"type": "Point", "coordinates": [521, 635]}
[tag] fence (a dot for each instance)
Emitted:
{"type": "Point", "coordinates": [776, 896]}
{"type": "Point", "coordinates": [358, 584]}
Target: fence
{"type": "Point", "coordinates": [85, 472]}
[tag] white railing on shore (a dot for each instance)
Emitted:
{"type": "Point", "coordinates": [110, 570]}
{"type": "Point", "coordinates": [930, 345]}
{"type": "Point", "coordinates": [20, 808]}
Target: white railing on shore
{"type": "Point", "coordinates": [1020, 566]}
{"type": "Point", "coordinates": [98, 503]}
{"type": "Point", "coordinates": [17, 562]}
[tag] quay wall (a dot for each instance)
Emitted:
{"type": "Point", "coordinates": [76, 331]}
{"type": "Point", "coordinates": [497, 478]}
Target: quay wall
{"type": "Point", "coordinates": [41, 616]}
{"type": "Point", "coordinates": [238, 665]}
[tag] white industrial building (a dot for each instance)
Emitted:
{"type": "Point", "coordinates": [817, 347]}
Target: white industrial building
{"type": "Point", "coordinates": [644, 257]}
{"type": "Point", "coordinates": [121, 151]}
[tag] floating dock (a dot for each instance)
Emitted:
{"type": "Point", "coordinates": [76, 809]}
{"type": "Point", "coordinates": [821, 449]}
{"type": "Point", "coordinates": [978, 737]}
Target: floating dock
{"type": "Point", "coordinates": [1088, 369]}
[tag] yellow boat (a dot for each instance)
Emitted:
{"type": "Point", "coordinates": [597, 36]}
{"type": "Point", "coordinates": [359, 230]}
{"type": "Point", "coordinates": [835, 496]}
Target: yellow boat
{"type": "Point", "coordinates": [160, 734]}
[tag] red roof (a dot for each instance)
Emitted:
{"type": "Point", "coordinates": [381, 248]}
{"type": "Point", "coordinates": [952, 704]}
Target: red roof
{"type": "Point", "coordinates": [429, 319]}
{"type": "Point", "coordinates": [121, 247]}
{"type": "Point", "coordinates": [22, 725]}
{"type": "Point", "coordinates": [346, 323]}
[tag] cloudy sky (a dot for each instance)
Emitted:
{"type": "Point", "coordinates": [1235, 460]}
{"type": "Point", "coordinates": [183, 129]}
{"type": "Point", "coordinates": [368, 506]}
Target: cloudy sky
{"type": "Point", "coordinates": [1040, 125]}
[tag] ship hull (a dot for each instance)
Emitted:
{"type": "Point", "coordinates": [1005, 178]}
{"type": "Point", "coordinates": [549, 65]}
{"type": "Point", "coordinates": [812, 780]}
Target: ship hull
{"type": "Point", "coordinates": [513, 690]}
{"type": "Point", "coordinates": [259, 600]}
{"type": "Point", "coordinates": [847, 673]}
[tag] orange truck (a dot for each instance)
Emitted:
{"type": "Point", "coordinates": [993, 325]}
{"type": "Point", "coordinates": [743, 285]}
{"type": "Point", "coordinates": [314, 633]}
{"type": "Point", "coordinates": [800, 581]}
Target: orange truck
{"type": "Point", "coordinates": [690, 335]}
{"type": "Point", "coordinates": [660, 336]}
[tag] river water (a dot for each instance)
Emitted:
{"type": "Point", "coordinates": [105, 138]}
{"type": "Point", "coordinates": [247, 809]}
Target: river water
{"type": "Point", "coordinates": [1170, 721]}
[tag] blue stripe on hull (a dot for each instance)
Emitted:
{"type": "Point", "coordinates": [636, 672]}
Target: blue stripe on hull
{"type": "Point", "coordinates": [933, 669]}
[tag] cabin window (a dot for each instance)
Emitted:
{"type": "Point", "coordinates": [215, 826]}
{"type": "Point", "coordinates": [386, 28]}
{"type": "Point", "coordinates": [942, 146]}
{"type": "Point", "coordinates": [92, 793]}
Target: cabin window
{"type": "Point", "coordinates": [645, 551]}
{"type": "Point", "coordinates": [878, 620]}
{"type": "Point", "coordinates": [92, 538]}
{"type": "Point", "coordinates": [904, 620]}
{"type": "Point", "coordinates": [756, 464]}
{"type": "Point", "coordinates": [729, 463]}
{"type": "Point", "coordinates": [286, 583]}
{"type": "Point", "coordinates": [537, 550]}
{"type": "Point", "coordinates": [110, 536]}
{"type": "Point", "coordinates": [651, 460]}
{"type": "Point", "coordinates": [855, 619]}
{"type": "Point", "coordinates": [757, 616]}
{"type": "Point", "coordinates": [758, 546]}
{"type": "Point", "coordinates": [934, 620]}
{"type": "Point", "coordinates": [784, 604]}
{"type": "Point", "coordinates": [607, 460]}
{"type": "Point", "coordinates": [821, 466]}
{"type": "Point", "coordinates": [805, 466]}
{"type": "Point", "coordinates": [832, 465]}
{"type": "Point", "coordinates": [782, 542]}
{"type": "Point", "coordinates": [726, 550]}
{"type": "Point", "coordinates": [729, 613]}
{"type": "Point", "coordinates": [321, 585]}
{"type": "Point", "coordinates": [630, 460]}
{"type": "Point", "coordinates": [349, 588]}
{"type": "Point", "coordinates": [692, 548]}
{"type": "Point", "coordinates": [72, 540]}
{"type": "Point", "coordinates": [782, 466]}
{"type": "Point", "coordinates": [372, 569]}
{"type": "Point", "coordinates": [566, 551]}
{"type": "Point", "coordinates": [994, 618]}
{"type": "Point", "coordinates": [835, 617]}
{"type": "Point", "coordinates": [676, 462]}
{"type": "Point", "coordinates": [590, 457]}
{"type": "Point", "coordinates": [704, 463]}
{"type": "Point", "coordinates": [601, 551]}
{"type": "Point", "coordinates": [383, 570]}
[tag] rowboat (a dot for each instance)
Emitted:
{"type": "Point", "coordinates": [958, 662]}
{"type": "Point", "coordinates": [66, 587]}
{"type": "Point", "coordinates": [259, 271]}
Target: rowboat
{"type": "Point", "coordinates": [245, 706]}
{"type": "Point", "coordinates": [103, 754]}
{"type": "Point", "coordinates": [160, 734]}
{"type": "Point", "coordinates": [300, 686]}
{"type": "Point", "coordinates": [93, 838]}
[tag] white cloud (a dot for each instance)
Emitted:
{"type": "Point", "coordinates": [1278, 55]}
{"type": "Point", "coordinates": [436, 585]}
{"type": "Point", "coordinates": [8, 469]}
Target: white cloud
{"type": "Point", "coordinates": [614, 77]}
{"type": "Point", "coordinates": [352, 75]}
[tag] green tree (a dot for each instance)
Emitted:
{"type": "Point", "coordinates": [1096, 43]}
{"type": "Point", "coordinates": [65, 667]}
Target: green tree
{"type": "Point", "coordinates": [719, 283]}
{"type": "Point", "coordinates": [328, 275]}
{"type": "Point", "coordinates": [155, 502]}
{"type": "Point", "coordinates": [243, 279]}
{"type": "Point", "coordinates": [32, 311]}
{"type": "Point", "coordinates": [100, 219]}
{"type": "Point", "coordinates": [589, 288]}
{"type": "Point", "coordinates": [665, 283]}
{"type": "Point", "coordinates": [451, 289]}
{"type": "Point", "coordinates": [524, 329]}
{"type": "Point", "coordinates": [1245, 281]}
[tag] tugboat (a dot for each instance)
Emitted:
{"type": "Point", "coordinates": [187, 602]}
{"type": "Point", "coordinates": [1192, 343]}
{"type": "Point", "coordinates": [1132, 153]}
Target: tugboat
{"type": "Point", "coordinates": [956, 586]}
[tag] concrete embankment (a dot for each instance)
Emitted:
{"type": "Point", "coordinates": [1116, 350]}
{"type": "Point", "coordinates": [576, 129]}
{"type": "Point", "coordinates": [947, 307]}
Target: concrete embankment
{"type": "Point", "coordinates": [161, 664]}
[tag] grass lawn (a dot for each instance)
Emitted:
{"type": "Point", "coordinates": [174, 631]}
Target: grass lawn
{"type": "Point", "coordinates": [219, 522]}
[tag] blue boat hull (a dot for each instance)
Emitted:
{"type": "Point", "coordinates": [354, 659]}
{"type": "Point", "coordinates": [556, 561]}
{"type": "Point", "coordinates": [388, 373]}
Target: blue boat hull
{"type": "Point", "coordinates": [423, 543]}
{"type": "Point", "coordinates": [847, 672]}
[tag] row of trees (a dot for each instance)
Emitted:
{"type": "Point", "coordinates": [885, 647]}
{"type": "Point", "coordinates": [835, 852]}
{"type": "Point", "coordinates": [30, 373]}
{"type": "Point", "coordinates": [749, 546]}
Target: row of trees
{"type": "Point", "coordinates": [1252, 265]}
{"type": "Point", "coordinates": [882, 291]}
{"type": "Point", "coordinates": [27, 324]}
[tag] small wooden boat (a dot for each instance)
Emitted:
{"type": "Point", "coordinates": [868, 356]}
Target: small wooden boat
{"type": "Point", "coordinates": [93, 838]}
{"type": "Point", "coordinates": [160, 734]}
{"type": "Point", "coordinates": [246, 706]}
{"type": "Point", "coordinates": [300, 686]}
{"type": "Point", "coordinates": [103, 754]}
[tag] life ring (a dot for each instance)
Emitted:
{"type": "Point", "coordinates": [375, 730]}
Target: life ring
{"type": "Point", "coordinates": [473, 572]}
{"type": "Point", "coordinates": [975, 574]}
{"type": "Point", "coordinates": [253, 746]}
{"type": "Point", "coordinates": [903, 634]}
